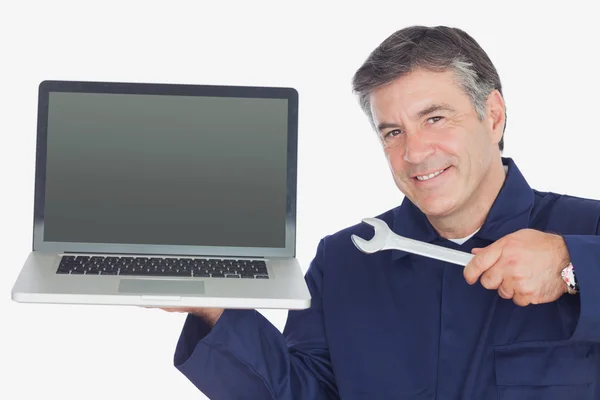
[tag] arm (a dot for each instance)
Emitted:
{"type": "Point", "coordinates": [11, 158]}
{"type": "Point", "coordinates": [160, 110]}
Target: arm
{"type": "Point", "coordinates": [584, 251]}
{"type": "Point", "coordinates": [245, 357]}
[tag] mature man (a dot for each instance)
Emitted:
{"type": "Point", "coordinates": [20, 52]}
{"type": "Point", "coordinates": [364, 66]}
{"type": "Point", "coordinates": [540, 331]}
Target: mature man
{"type": "Point", "coordinates": [521, 321]}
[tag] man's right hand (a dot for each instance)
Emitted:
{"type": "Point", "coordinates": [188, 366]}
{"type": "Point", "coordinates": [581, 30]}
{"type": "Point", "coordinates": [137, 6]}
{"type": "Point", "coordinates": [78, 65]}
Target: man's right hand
{"type": "Point", "coordinates": [209, 315]}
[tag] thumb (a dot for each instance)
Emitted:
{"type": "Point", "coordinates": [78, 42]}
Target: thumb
{"type": "Point", "coordinates": [484, 259]}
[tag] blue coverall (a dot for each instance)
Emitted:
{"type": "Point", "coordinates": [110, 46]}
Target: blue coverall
{"type": "Point", "coordinates": [393, 325]}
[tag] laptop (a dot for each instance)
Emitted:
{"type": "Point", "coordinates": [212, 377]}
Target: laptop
{"type": "Point", "coordinates": [165, 195]}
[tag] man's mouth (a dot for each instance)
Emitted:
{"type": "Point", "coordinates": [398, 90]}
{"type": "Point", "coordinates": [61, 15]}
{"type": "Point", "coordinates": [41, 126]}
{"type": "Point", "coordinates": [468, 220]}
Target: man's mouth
{"type": "Point", "coordinates": [431, 175]}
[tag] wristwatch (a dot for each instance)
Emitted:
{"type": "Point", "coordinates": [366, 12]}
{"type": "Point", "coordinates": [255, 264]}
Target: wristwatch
{"type": "Point", "coordinates": [568, 275]}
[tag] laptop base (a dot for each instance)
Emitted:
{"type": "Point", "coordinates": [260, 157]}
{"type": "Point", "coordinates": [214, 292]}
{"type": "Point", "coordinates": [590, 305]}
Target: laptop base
{"type": "Point", "coordinates": [39, 282]}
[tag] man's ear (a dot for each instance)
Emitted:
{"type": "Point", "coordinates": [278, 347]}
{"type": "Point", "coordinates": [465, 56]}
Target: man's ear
{"type": "Point", "coordinates": [495, 115]}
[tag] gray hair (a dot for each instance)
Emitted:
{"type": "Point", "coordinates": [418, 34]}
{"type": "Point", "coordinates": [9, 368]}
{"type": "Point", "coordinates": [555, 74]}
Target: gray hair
{"type": "Point", "coordinates": [437, 49]}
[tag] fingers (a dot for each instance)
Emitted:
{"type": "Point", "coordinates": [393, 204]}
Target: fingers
{"type": "Point", "coordinates": [505, 291]}
{"type": "Point", "coordinates": [492, 278]}
{"type": "Point", "coordinates": [175, 309]}
{"type": "Point", "coordinates": [483, 260]}
{"type": "Point", "coordinates": [520, 266]}
{"type": "Point", "coordinates": [521, 300]}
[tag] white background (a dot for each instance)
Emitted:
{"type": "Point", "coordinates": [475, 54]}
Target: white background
{"type": "Point", "coordinates": [546, 57]}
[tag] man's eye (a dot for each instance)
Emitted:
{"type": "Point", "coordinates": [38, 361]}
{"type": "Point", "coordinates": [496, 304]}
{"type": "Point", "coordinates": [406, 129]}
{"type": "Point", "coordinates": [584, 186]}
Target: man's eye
{"type": "Point", "coordinates": [392, 134]}
{"type": "Point", "coordinates": [433, 120]}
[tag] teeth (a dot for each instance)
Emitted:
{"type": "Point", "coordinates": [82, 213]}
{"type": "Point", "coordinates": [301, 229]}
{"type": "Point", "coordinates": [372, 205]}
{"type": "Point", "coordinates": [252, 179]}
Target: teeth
{"type": "Point", "coordinates": [433, 175]}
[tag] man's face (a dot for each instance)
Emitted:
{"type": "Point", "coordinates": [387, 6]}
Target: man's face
{"type": "Point", "coordinates": [438, 150]}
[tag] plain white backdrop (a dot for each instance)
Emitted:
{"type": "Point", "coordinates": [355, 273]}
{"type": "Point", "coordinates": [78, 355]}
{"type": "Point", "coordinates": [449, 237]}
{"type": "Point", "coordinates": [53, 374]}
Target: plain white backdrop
{"type": "Point", "coordinates": [546, 57]}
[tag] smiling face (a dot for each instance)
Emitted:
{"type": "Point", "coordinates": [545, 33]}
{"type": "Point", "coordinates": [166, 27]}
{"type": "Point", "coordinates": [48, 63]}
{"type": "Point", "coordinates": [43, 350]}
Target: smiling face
{"type": "Point", "coordinates": [442, 156]}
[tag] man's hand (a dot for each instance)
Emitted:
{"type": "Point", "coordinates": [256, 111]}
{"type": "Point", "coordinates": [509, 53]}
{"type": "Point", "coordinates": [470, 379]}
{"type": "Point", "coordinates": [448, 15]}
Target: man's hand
{"type": "Point", "coordinates": [524, 266]}
{"type": "Point", "coordinates": [210, 315]}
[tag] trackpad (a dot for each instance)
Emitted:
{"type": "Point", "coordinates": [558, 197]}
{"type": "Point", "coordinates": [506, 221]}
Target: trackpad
{"type": "Point", "coordinates": [152, 286]}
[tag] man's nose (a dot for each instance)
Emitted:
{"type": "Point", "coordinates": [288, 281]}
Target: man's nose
{"type": "Point", "coordinates": [417, 148]}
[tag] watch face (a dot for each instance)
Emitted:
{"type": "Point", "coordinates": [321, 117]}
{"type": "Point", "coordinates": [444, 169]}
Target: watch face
{"type": "Point", "coordinates": [568, 275]}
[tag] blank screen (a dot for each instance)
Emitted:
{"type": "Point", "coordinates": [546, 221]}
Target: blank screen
{"type": "Point", "coordinates": [166, 170]}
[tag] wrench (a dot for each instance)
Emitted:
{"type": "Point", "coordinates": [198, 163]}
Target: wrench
{"type": "Point", "coordinates": [386, 239]}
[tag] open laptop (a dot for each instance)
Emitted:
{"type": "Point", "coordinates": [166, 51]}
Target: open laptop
{"type": "Point", "coordinates": [165, 195]}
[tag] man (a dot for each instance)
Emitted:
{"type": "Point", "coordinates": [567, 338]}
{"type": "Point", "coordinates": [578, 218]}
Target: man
{"type": "Point", "coordinates": [521, 321]}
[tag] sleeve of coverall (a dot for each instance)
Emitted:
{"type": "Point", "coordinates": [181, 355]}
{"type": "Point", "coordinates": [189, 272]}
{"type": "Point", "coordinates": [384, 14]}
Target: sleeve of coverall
{"type": "Point", "coordinates": [245, 357]}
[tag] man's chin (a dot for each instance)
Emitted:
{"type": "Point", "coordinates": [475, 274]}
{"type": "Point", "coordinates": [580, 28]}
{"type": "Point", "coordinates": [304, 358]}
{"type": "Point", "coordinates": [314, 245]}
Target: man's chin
{"type": "Point", "coordinates": [436, 208]}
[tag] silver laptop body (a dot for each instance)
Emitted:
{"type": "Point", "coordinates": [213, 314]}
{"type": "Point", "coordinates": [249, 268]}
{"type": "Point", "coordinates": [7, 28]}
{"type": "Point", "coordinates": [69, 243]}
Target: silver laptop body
{"type": "Point", "coordinates": [165, 195]}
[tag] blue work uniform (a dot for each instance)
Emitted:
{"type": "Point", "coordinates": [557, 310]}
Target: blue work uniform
{"type": "Point", "coordinates": [393, 325]}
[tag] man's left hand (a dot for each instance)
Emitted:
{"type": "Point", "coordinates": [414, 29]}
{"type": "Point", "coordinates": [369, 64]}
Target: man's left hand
{"type": "Point", "coordinates": [524, 266]}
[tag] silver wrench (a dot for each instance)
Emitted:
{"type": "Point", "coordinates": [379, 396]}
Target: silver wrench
{"type": "Point", "coordinates": [386, 239]}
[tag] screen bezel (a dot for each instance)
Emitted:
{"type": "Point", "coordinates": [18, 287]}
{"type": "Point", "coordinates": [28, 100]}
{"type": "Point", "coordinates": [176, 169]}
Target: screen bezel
{"type": "Point", "coordinates": [48, 86]}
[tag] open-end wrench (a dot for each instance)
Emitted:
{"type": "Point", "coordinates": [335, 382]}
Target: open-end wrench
{"type": "Point", "coordinates": [386, 239]}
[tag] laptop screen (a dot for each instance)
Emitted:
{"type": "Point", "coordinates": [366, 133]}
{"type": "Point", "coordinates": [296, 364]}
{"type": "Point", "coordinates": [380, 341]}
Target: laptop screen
{"type": "Point", "coordinates": [178, 170]}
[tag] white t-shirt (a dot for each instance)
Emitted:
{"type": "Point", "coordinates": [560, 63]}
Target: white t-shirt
{"type": "Point", "coordinates": [462, 240]}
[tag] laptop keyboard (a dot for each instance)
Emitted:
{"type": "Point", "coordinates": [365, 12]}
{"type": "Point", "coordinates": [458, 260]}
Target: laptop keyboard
{"type": "Point", "coordinates": [167, 267]}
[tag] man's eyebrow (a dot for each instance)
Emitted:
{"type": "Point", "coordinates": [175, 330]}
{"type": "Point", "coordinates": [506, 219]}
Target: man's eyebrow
{"type": "Point", "coordinates": [426, 111]}
{"type": "Point", "coordinates": [385, 125]}
{"type": "Point", "coordinates": [434, 108]}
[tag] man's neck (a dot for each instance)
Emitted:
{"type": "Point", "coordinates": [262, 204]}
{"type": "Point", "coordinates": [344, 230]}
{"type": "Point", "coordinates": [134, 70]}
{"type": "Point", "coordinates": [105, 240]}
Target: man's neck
{"type": "Point", "coordinates": [470, 218]}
